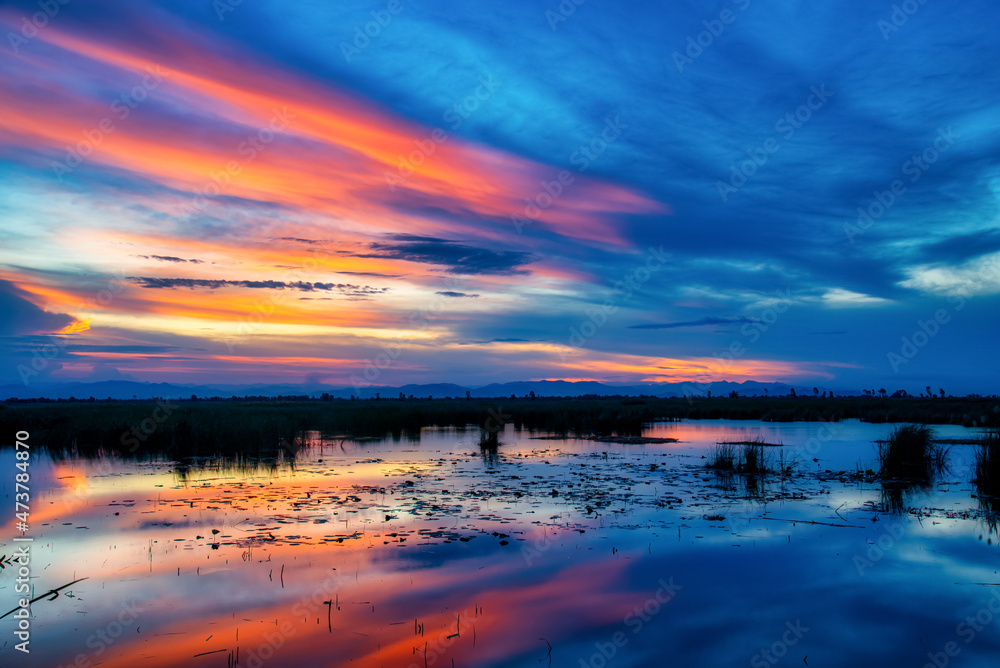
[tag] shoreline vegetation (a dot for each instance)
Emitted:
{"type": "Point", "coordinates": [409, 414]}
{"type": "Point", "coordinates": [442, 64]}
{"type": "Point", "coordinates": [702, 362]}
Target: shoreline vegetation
{"type": "Point", "coordinates": [259, 426]}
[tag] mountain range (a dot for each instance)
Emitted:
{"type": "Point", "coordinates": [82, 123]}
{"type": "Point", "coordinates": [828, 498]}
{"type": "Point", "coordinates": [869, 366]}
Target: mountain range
{"type": "Point", "coordinates": [126, 389]}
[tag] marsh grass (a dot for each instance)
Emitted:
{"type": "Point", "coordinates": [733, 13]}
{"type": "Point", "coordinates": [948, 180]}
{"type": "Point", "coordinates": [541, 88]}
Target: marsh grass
{"type": "Point", "coordinates": [909, 460]}
{"type": "Point", "coordinates": [489, 440]}
{"type": "Point", "coordinates": [987, 479]}
{"type": "Point", "coordinates": [987, 472]}
{"type": "Point", "coordinates": [746, 458]}
{"type": "Point", "coordinates": [754, 461]}
{"type": "Point", "coordinates": [723, 458]}
{"type": "Point", "coordinates": [911, 455]}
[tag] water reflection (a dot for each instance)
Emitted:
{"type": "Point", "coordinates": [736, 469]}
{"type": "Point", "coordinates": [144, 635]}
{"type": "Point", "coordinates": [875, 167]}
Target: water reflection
{"type": "Point", "coordinates": [403, 551]}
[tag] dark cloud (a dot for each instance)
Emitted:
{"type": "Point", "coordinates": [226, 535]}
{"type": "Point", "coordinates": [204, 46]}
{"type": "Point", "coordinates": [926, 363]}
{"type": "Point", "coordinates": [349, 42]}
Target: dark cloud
{"type": "Point", "coordinates": [964, 247]}
{"type": "Point", "coordinates": [696, 323]}
{"type": "Point", "coordinates": [310, 242]}
{"type": "Point", "coordinates": [21, 316]}
{"type": "Point", "coordinates": [169, 258]}
{"type": "Point", "coordinates": [215, 284]}
{"type": "Point", "coordinates": [450, 293]}
{"type": "Point", "coordinates": [369, 273]}
{"type": "Point", "coordinates": [458, 257]}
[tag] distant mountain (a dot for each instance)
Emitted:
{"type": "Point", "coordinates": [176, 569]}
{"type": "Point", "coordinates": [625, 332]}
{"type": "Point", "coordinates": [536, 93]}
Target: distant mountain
{"type": "Point", "coordinates": [123, 389]}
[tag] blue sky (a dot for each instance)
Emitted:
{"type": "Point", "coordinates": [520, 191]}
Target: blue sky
{"type": "Point", "coordinates": [714, 155]}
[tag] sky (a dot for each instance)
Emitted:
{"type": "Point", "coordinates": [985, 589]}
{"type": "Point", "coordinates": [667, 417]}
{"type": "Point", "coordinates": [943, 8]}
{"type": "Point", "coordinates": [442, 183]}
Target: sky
{"type": "Point", "coordinates": [382, 193]}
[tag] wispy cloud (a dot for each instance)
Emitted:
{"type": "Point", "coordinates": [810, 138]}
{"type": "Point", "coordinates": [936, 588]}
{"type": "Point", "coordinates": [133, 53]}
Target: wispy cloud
{"type": "Point", "coordinates": [215, 284]}
{"type": "Point", "coordinates": [703, 322]}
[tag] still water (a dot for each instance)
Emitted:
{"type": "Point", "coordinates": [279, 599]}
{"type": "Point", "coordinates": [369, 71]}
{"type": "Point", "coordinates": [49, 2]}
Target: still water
{"type": "Point", "coordinates": [552, 552]}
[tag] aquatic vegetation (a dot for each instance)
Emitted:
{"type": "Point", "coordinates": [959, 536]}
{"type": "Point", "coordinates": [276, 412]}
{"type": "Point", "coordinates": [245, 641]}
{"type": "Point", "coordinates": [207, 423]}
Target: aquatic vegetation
{"type": "Point", "coordinates": [909, 459]}
{"type": "Point", "coordinates": [911, 455]}
{"type": "Point", "coordinates": [723, 458]}
{"type": "Point", "coordinates": [754, 461]}
{"type": "Point", "coordinates": [987, 471]}
{"type": "Point", "coordinates": [743, 457]}
{"type": "Point", "coordinates": [205, 427]}
{"type": "Point", "coordinates": [489, 439]}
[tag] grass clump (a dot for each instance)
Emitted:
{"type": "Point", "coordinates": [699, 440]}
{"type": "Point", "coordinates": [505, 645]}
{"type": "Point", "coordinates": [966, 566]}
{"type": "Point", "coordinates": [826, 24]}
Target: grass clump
{"type": "Point", "coordinates": [911, 454]}
{"type": "Point", "coordinates": [754, 460]}
{"type": "Point", "coordinates": [723, 458]}
{"type": "Point", "coordinates": [489, 440]}
{"type": "Point", "coordinates": [744, 458]}
{"type": "Point", "coordinates": [987, 478]}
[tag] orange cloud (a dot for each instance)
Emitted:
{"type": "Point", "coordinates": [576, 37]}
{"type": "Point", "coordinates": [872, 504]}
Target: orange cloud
{"type": "Point", "coordinates": [318, 149]}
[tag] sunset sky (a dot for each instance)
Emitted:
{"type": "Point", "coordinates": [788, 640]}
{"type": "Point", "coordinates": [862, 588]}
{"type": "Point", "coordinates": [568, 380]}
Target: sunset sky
{"type": "Point", "coordinates": [410, 192]}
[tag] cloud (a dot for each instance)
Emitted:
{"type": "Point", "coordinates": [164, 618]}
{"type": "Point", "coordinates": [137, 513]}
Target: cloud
{"type": "Point", "coordinates": [841, 297]}
{"type": "Point", "coordinates": [458, 258]}
{"type": "Point", "coordinates": [696, 323]}
{"type": "Point", "coordinates": [21, 316]}
{"type": "Point", "coordinates": [310, 242]}
{"type": "Point", "coordinates": [214, 284]}
{"type": "Point", "coordinates": [976, 277]}
{"type": "Point", "coordinates": [169, 258]}
{"type": "Point", "coordinates": [451, 293]}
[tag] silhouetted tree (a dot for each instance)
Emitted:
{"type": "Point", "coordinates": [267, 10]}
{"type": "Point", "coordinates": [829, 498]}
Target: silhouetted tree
{"type": "Point", "coordinates": [816, 392]}
{"type": "Point", "coordinates": [941, 390]}
{"type": "Point", "coordinates": [882, 392]}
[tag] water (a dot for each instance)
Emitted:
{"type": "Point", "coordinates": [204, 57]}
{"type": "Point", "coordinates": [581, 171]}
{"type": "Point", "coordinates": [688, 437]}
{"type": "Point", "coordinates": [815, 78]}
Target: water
{"type": "Point", "coordinates": [553, 552]}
